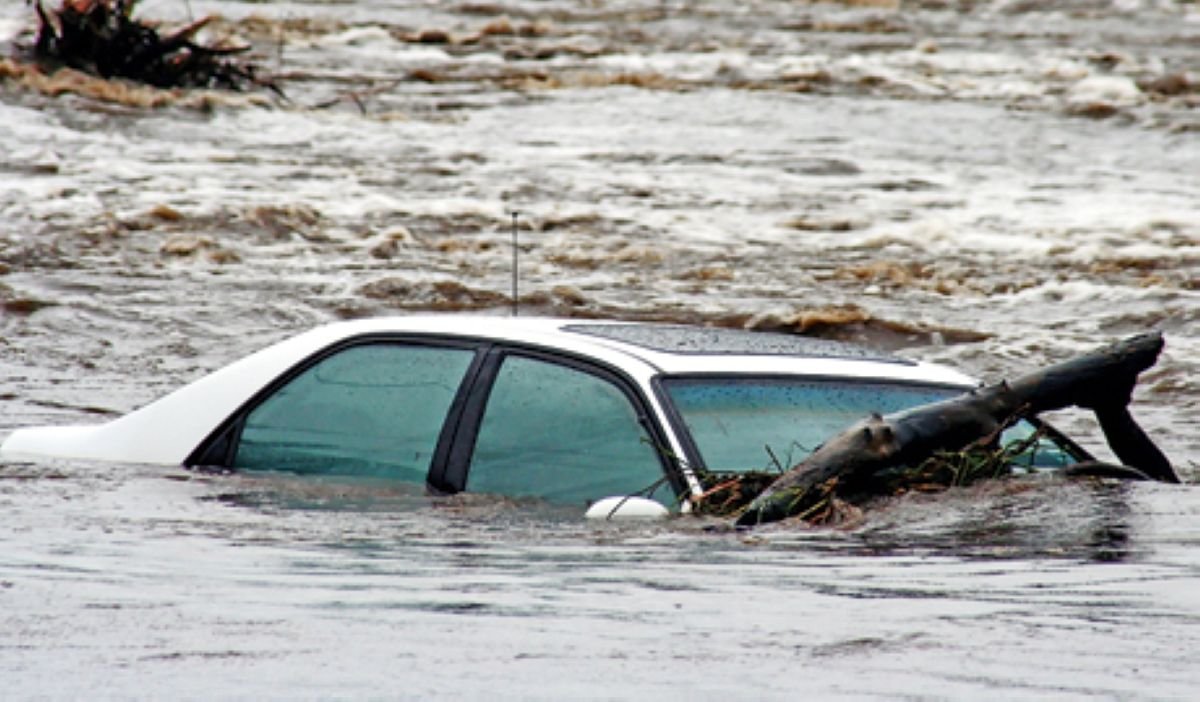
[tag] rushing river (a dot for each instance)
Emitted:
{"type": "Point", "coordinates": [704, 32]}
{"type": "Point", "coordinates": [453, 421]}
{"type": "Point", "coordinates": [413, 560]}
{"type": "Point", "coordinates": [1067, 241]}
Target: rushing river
{"type": "Point", "coordinates": [993, 184]}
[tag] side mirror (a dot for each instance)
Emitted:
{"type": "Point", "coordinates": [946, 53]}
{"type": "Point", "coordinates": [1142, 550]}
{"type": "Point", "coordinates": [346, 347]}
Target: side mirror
{"type": "Point", "coordinates": [625, 507]}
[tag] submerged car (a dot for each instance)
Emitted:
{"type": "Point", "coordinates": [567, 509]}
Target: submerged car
{"type": "Point", "coordinates": [609, 414]}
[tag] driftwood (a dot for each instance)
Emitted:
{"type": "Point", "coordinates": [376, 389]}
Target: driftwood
{"type": "Point", "coordinates": [102, 38]}
{"type": "Point", "coordinates": [847, 464]}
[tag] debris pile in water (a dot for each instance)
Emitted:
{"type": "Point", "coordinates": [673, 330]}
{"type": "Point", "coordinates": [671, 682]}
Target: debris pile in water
{"type": "Point", "coordinates": [101, 37]}
{"type": "Point", "coordinates": [953, 442]}
{"type": "Point", "coordinates": [730, 495]}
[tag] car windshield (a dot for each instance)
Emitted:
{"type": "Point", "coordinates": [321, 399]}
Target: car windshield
{"type": "Point", "coordinates": [771, 423]}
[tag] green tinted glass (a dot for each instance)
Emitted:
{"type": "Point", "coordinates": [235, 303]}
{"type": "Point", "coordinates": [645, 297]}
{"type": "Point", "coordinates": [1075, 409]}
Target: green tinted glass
{"type": "Point", "coordinates": [563, 435]}
{"type": "Point", "coordinates": [373, 410]}
{"type": "Point", "coordinates": [1041, 452]}
{"type": "Point", "coordinates": [738, 424]}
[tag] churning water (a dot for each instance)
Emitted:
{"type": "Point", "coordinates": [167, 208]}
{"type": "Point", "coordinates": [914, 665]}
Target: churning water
{"type": "Point", "coordinates": [995, 185]}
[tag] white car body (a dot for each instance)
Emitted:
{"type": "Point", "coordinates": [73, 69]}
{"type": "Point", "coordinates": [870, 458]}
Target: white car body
{"type": "Point", "coordinates": [169, 430]}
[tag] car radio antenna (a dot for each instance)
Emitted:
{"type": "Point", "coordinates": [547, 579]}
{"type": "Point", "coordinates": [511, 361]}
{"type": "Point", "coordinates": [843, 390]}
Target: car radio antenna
{"type": "Point", "coordinates": [515, 214]}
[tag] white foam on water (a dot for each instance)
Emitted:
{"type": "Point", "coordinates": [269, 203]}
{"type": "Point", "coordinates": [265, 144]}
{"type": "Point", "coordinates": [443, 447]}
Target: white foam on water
{"type": "Point", "coordinates": [1114, 90]}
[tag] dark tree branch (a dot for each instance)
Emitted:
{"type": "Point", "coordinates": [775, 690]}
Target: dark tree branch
{"type": "Point", "coordinates": [1102, 381]}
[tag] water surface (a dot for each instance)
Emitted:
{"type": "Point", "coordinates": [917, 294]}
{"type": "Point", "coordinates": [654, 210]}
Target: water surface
{"type": "Point", "coordinates": [997, 185]}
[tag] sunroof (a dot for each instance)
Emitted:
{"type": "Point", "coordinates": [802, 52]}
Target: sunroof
{"type": "Point", "coordinates": [671, 338]}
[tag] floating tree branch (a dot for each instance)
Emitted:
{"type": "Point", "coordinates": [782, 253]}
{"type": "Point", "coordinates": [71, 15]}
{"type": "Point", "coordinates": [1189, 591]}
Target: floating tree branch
{"type": "Point", "coordinates": [965, 429]}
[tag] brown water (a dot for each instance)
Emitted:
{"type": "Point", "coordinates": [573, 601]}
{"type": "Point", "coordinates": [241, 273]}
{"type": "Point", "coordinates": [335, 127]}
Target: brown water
{"type": "Point", "coordinates": [992, 184]}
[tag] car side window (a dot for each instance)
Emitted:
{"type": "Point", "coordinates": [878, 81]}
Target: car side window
{"type": "Point", "coordinates": [561, 434]}
{"type": "Point", "coordinates": [371, 410]}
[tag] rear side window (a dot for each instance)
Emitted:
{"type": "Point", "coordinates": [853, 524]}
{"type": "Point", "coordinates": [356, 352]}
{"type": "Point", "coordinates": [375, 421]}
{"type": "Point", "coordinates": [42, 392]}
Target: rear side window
{"type": "Point", "coordinates": [562, 434]}
{"type": "Point", "coordinates": [373, 410]}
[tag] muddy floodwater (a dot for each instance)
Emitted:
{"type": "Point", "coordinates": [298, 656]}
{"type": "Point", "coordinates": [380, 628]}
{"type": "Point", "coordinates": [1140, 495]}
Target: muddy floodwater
{"type": "Point", "coordinates": [993, 184]}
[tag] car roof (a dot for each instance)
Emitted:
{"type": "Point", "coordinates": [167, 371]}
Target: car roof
{"type": "Point", "coordinates": [672, 349]}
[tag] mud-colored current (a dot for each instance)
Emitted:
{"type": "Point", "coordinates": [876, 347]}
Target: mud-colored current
{"type": "Point", "coordinates": [995, 185]}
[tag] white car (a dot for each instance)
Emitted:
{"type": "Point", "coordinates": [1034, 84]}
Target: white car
{"type": "Point", "coordinates": [565, 410]}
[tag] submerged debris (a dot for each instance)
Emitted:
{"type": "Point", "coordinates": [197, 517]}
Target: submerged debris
{"type": "Point", "coordinates": [727, 494]}
{"type": "Point", "coordinates": [730, 495]}
{"type": "Point", "coordinates": [956, 441]}
{"type": "Point", "coordinates": [100, 37]}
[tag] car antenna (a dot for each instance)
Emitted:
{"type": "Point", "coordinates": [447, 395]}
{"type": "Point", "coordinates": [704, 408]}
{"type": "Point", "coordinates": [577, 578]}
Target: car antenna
{"type": "Point", "coordinates": [514, 214]}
